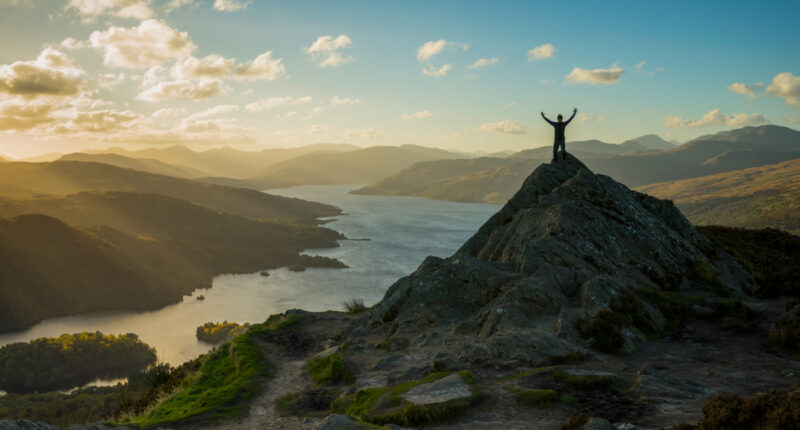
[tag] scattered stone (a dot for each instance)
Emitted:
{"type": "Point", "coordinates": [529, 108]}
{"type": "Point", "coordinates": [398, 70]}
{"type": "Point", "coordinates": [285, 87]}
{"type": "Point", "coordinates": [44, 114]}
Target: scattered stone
{"type": "Point", "coordinates": [343, 422]}
{"type": "Point", "coordinates": [653, 383]}
{"type": "Point", "coordinates": [597, 424]}
{"type": "Point", "coordinates": [450, 387]}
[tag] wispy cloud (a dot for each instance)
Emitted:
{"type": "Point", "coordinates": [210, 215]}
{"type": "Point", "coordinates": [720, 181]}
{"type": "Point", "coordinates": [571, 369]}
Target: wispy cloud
{"type": "Point", "coordinates": [595, 76]}
{"type": "Point", "coordinates": [338, 101]}
{"type": "Point", "coordinates": [150, 43]}
{"type": "Point", "coordinates": [483, 62]}
{"type": "Point", "coordinates": [425, 114]}
{"type": "Point", "coordinates": [326, 50]}
{"type": "Point", "coordinates": [363, 133]}
{"type": "Point", "coordinates": [541, 52]}
{"type": "Point", "coordinates": [430, 70]}
{"type": "Point", "coordinates": [231, 5]}
{"type": "Point", "coordinates": [90, 10]}
{"type": "Point", "coordinates": [505, 127]}
{"type": "Point", "coordinates": [717, 118]}
{"type": "Point", "coordinates": [746, 90]}
{"type": "Point", "coordinates": [431, 48]}
{"type": "Point", "coordinates": [786, 86]}
{"type": "Point", "coordinates": [589, 117]}
{"type": "Point", "coordinates": [318, 129]}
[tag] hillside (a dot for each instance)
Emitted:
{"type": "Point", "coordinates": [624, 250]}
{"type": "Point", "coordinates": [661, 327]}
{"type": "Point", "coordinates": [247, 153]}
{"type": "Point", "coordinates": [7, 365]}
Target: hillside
{"type": "Point", "coordinates": [156, 247]}
{"type": "Point", "coordinates": [352, 167]}
{"type": "Point", "coordinates": [226, 161]}
{"type": "Point", "coordinates": [766, 196]}
{"type": "Point", "coordinates": [727, 151]}
{"type": "Point", "coordinates": [69, 177]}
{"type": "Point", "coordinates": [148, 165]}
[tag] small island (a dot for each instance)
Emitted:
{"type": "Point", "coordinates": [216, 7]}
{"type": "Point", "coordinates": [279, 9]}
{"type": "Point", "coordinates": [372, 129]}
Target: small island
{"type": "Point", "coordinates": [47, 364]}
{"type": "Point", "coordinates": [220, 332]}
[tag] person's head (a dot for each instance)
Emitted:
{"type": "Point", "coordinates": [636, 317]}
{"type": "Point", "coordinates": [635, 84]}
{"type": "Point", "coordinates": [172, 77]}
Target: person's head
{"type": "Point", "coordinates": [560, 118]}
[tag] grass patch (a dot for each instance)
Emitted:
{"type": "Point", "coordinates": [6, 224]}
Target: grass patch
{"type": "Point", "coordinates": [763, 411]}
{"type": "Point", "coordinates": [604, 331]}
{"type": "Point", "coordinates": [583, 382]}
{"type": "Point", "coordinates": [354, 306]}
{"type": "Point", "coordinates": [676, 307]}
{"type": "Point", "coordinates": [330, 370]}
{"type": "Point", "coordinates": [785, 335]}
{"type": "Point", "coordinates": [709, 278]}
{"type": "Point", "coordinates": [536, 397]}
{"type": "Point", "coordinates": [385, 405]}
{"type": "Point", "coordinates": [772, 257]}
{"type": "Point", "coordinates": [226, 380]}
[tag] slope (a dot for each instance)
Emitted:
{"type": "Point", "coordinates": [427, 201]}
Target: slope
{"type": "Point", "coordinates": [148, 165]}
{"type": "Point", "coordinates": [766, 196]}
{"type": "Point", "coordinates": [353, 167]}
{"type": "Point", "coordinates": [68, 177]}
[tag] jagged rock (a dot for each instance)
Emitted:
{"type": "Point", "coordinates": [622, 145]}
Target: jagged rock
{"type": "Point", "coordinates": [652, 382]}
{"type": "Point", "coordinates": [597, 424]}
{"type": "Point", "coordinates": [569, 245]}
{"type": "Point", "coordinates": [25, 425]}
{"type": "Point", "coordinates": [343, 422]}
{"type": "Point", "coordinates": [450, 387]}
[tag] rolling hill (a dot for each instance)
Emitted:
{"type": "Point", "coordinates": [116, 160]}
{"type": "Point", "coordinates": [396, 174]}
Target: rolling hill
{"type": "Point", "coordinates": [765, 196]}
{"type": "Point", "coordinates": [731, 150]}
{"type": "Point", "coordinates": [144, 164]}
{"type": "Point", "coordinates": [148, 248]}
{"type": "Point", "coordinates": [226, 161]}
{"type": "Point", "coordinates": [69, 177]}
{"type": "Point", "coordinates": [352, 167]}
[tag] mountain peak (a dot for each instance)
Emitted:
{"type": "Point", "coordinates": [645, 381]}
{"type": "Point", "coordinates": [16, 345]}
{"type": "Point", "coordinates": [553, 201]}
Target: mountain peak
{"type": "Point", "coordinates": [565, 248]}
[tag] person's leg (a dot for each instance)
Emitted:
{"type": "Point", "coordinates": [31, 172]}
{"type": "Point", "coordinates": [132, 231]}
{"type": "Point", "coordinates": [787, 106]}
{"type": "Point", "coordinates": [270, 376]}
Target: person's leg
{"type": "Point", "coordinates": [564, 149]}
{"type": "Point", "coordinates": [555, 151]}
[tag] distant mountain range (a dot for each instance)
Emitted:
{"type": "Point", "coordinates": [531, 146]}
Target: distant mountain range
{"type": "Point", "coordinates": [350, 167]}
{"type": "Point", "coordinates": [493, 180]}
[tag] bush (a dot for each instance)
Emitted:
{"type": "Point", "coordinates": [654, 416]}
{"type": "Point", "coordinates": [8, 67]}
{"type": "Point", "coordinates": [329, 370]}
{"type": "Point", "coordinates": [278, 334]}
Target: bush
{"type": "Point", "coordinates": [330, 370]}
{"type": "Point", "coordinates": [604, 331]}
{"type": "Point", "coordinates": [785, 335]}
{"type": "Point", "coordinates": [354, 306]}
{"type": "Point", "coordinates": [220, 332]}
{"type": "Point", "coordinates": [774, 411]}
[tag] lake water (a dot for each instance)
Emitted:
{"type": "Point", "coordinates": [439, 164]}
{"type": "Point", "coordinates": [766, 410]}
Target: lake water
{"type": "Point", "coordinates": [401, 232]}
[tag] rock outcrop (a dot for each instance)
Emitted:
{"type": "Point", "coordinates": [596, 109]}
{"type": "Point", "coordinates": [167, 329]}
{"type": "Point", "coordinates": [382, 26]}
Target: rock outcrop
{"type": "Point", "coordinates": [569, 249]}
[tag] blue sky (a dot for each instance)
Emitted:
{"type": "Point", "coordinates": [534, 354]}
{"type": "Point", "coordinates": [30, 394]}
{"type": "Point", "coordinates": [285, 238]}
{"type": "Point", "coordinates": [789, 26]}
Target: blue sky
{"type": "Point", "coordinates": [631, 68]}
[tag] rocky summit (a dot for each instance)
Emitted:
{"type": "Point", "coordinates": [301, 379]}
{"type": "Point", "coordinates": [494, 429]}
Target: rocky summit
{"type": "Point", "coordinates": [572, 257]}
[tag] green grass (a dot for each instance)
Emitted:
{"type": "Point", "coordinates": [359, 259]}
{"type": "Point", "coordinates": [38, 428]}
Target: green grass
{"type": "Point", "coordinates": [330, 369]}
{"type": "Point", "coordinates": [229, 377]}
{"type": "Point", "coordinates": [583, 382]}
{"type": "Point", "coordinates": [709, 278]}
{"type": "Point", "coordinates": [535, 397]}
{"type": "Point", "coordinates": [354, 306]}
{"type": "Point", "coordinates": [384, 405]}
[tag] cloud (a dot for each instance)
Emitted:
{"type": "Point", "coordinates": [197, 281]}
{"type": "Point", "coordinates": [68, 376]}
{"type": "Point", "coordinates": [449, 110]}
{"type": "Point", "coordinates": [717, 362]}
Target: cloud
{"type": "Point", "coordinates": [505, 127]}
{"type": "Point", "coordinates": [425, 114]}
{"type": "Point", "coordinates": [483, 62]}
{"type": "Point", "coordinates": [273, 102]}
{"type": "Point", "coordinates": [211, 66]}
{"type": "Point", "coordinates": [640, 66]}
{"type": "Point", "coordinates": [216, 110]}
{"type": "Point", "coordinates": [150, 43]}
{"type": "Point", "coordinates": [97, 121]}
{"type": "Point", "coordinates": [263, 67]}
{"type": "Point", "coordinates": [318, 129]}
{"type": "Point", "coordinates": [717, 118]}
{"type": "Point", "coordinates": [546, 82]}
{"type": "Point", "coordinates": [325, 49]}
{"type": "Point", "coordinates": [110, 80]}
{"type": "Point", "coordinates": [431, 48]}
{"type": "Point", "coordinates": [437, 73]}
{"type": "Point", "coordinates": [18, 115]}
{"type": "Point", "coordinates": [231, 5]}
{"type": "Point", "coordinates": [169, 113]}
{"type": "Point", "coordinates": [510, 104]}
{"type": "Point", "coordinates": [91, 9]}
{"type": "Point", "coordinates": [337, 101]}
{"type": "Point", "coordinates": [364, 133]}
{"type": "Point", "coordinates": [745, 90]}
{"type": "Point", "coordinates": [595, 76]}
{"type": "Point", "coordinates": [589, 117]}
{"type": "Point", "coordinates": [174, 5]}
{"type": "Point", "coordinates": [183, 89]}
{"type": "Point", "coordinates": [541, 52]}
{"type": "Point", "coordinates": [51, 74]}
{"type": "Point", "coordinates": [786, 86]}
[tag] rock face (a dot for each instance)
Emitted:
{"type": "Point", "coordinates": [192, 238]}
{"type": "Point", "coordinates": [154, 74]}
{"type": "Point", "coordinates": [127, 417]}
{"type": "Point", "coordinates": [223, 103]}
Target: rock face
{"type": "Point", "coordinates": [567, 247]}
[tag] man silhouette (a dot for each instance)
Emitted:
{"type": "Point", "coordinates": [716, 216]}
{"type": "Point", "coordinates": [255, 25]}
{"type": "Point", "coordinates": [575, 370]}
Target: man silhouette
{"type": "Point", "coordinates": [559, 130]}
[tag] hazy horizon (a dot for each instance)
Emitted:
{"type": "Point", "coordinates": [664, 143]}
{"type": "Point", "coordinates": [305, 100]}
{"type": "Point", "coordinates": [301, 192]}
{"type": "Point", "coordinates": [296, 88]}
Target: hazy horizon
{"type": "Point", "coordinates": [255, 75]}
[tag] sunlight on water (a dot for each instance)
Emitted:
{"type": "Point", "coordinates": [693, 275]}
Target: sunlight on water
{"type": "Point", "coordinates": [402, 231]}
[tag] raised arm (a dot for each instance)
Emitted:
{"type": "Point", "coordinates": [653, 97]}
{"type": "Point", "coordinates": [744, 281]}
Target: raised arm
{"type": "Point", "coordinates": [545, 118]}
{"type": "Point", "coordinates": [574, 111]}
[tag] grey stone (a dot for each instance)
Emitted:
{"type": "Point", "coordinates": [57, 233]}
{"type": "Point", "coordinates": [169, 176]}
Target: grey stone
{"type": "Point", "coordinates": [450, 387]}
{"type": "Point", "coordinates": [597, 424]}
{"type": "Point", "coordinates": [343, 422]}
{"type": "Point", "coordinates": [654, 383]}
